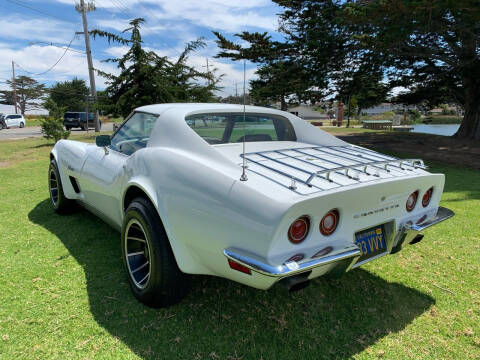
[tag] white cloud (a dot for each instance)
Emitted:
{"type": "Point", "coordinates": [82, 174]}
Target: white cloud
{"type": "Point", "coordinates": [37, 59]}
{"type": "Point", "coordinates": [31, 29]}
{"type": "Point", "coordinates": [223, 15]}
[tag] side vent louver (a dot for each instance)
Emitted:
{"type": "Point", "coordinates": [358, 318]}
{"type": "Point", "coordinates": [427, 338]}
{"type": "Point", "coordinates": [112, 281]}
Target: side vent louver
{"type": "Point", "coordinates": [74, 184]}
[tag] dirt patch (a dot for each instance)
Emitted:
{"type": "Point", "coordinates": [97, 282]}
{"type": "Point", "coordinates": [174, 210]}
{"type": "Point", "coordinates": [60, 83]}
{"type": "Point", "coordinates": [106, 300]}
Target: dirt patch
{"type": "Point", "coordinates": [4, 164]}
{"type": "Point", "coordinates": [424, 146]}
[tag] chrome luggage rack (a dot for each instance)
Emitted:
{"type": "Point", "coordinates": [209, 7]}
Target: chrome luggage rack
{"type": "Point", "coordinates": [363, 161]}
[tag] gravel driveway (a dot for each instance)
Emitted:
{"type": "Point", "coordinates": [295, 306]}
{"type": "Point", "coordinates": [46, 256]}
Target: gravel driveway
{"type": "Point", "coordinates": [34, 131]}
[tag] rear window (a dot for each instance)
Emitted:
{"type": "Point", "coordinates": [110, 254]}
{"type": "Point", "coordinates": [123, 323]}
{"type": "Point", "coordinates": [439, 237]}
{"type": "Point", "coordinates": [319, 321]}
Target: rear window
{"type": "Point", "coordinates": [71, 115]}
{"type": "Point", "coordinates": [230, 127]}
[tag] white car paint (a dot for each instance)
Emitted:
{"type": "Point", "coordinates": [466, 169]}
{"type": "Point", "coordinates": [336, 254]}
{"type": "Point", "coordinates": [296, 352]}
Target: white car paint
{"type": "Point", "coordinates": [206, 209]}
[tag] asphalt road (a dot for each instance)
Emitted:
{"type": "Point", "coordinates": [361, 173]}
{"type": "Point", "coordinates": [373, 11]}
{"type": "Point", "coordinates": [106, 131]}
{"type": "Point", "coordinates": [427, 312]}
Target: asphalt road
{"type": "Point", "coordinates": [34, 131]}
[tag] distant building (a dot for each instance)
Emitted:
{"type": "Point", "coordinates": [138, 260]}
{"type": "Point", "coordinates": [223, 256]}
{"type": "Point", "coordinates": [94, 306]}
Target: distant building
{"type": "Point", "coordinates": [384, 107]}
{"type": "Point", "coordinates": [307, 113]}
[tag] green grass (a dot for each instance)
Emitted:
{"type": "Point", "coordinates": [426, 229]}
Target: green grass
{"type": "Point", "coordinates": [64, 294]}
{"type": "Point", "coordinates": [33, 122]}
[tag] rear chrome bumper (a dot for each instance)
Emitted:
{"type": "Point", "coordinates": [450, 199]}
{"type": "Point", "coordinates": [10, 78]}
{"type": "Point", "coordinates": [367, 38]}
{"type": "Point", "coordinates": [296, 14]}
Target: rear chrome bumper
{"type": "Point", "coordinates": [408, 232]}
{"type": "Point", "coordinates": [290, 268]}
{"type": "Point", "coordinates": [347, 256]}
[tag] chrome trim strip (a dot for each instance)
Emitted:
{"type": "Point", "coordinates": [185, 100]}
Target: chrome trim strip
{"type": "Point", "coordinates": [256, 264]}
{"type": "Point", "coordinates": [442, 215]}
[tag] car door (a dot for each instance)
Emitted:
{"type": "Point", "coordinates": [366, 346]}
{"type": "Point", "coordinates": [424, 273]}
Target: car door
{"type": "Point", "coordinates": [103, 175]}
{"type": "Point", "coordinates": [9, 121]}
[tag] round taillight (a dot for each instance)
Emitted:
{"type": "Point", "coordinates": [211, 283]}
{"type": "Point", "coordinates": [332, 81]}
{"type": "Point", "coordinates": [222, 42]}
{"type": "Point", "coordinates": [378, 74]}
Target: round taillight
{"type": "Point", "coordinates": [411, 201]}
{"type": "Point", "coordinates": [298, 231]}
{"type": "Point", "coordinates": [426, 197]}
{"type": "Point", "coordinates": [329, 222]}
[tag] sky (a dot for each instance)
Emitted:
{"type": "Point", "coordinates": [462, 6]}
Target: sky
{"type": "Point", "coordinates": [28, 27]}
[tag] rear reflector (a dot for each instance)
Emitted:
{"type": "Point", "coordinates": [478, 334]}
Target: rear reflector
{"type": "Point", "coordinates": [239, 267]}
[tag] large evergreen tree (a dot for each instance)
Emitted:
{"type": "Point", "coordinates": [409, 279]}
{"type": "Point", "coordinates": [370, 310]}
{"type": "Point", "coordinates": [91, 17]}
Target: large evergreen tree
{"type": "Point", "coordinates": [147, 78]}
{"type": "Point", "coordinates": [69, 94]}
{"type": "Point", "coordinates": [30, 93]}
{"type": "Point", "coordinates": [432, 47]}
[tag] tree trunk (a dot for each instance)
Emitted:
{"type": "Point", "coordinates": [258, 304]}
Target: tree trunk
{"type": "Point", "coordinates": [283, 103]}
{"type": "Point", "coordinates": [470, 127]}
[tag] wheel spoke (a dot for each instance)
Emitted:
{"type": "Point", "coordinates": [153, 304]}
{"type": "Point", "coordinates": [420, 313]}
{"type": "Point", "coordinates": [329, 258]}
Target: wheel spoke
{"type": "Point", "coordinates": [145, 278]}
{"type": "Point", "coordinates": [136, 253]}
{"type": "Point", "coordinates": [135, 238]}
{"type": "Point", "coordinates": [140, 267]}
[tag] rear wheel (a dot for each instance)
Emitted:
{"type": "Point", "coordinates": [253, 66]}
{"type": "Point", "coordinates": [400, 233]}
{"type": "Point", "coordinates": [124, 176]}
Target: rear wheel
{"type": "Point", "coordinates": [59, 202]}
{"type": "Point", "coordinates": [68, 128]}
{"type": "Point", "coordinates": [22, 125]}
{"type": "Point", "coordinates": [153, 273]}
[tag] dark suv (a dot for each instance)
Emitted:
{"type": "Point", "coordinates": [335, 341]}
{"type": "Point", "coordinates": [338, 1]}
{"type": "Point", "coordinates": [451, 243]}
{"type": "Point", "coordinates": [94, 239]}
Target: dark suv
{"type": "Point", "coordinates": [73, 119]}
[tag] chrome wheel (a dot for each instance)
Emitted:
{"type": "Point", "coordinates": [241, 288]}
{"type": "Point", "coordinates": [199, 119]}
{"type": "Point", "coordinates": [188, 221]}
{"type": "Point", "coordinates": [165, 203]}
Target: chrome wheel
{"type": "Point", "coordinates": [137, 253]}
{"type": "Point", "coordinates": [53, 186]}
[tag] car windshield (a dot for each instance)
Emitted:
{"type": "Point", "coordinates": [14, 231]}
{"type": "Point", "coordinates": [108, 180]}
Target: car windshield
{"type": "Point", "coordinates": [230, 128]}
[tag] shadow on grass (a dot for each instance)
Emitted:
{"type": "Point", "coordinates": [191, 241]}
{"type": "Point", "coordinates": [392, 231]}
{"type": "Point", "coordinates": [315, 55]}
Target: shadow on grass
{"type": "Point", "coordinates": [222, 319]}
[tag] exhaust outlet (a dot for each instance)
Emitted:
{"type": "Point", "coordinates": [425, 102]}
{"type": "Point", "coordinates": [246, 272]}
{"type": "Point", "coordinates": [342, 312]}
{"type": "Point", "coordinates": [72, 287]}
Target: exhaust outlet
{"type": "Point", "coordinates": [296, 282]}
{"type": "Point", "coordinates": [417, 239]}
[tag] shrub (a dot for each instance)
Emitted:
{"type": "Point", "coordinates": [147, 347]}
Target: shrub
{"type": "Point", "coordinates": [52, 125]}
{"type": "Point", "coordinates": [53, 129]}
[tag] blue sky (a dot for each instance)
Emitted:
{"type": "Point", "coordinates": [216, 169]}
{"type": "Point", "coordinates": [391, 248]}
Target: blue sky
{"type": "Point", "coordinates": [169, 25]}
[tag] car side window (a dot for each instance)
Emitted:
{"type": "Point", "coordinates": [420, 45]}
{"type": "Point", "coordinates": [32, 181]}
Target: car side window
{"type": "Point", "coordinates": [134, 133]}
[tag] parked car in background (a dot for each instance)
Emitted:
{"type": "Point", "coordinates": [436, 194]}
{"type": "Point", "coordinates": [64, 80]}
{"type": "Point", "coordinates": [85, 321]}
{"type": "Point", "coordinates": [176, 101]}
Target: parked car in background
{"type": "Point", "coordinates": [12, 120]}
{"type": "Point", "coordinates": [173, 180]}
{"type": "Point", "coordinates": [74, 119]}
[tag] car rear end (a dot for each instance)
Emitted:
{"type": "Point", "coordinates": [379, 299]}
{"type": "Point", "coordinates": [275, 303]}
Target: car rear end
{"type": "Point", "coordinates": [364, 206]}
{"type": "Point", "coordinates": [71, 120]}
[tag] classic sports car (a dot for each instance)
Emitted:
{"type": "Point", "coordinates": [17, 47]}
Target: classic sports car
{"type": "Point", "coordinates": [258, 197]}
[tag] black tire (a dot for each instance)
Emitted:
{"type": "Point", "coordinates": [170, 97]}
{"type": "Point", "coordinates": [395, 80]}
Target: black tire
{"type": "Point", "coordinates": [22, 125]}
{"type": "Point", "coordinates": [84, 127]}
{"type": "Point", "coordinates": [165, 284]}
{"type": "Point", "coordinates": [68, 128]}
{"type": "Point", "coordinates": [59, 202]}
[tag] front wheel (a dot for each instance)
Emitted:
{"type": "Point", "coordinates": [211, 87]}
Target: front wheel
{"type": "Point", "coordinates": [22, 125]}
{"type": "Point", "coordinates": [153, 273]}
{"type": "Point", "coordinates": [59, 202]}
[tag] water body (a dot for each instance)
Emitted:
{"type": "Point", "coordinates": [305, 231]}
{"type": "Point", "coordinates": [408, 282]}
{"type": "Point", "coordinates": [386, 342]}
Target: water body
{"type": "Point", "coordinates": [445, 130]}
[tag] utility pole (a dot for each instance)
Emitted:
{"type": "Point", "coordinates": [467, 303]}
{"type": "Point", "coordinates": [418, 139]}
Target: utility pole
{"type": "Point", "coordinates": [83, 9]}
{"type": "Point", "coordinates": [14, 87]}
{"type": "Point", "coordinates": [236, 89]}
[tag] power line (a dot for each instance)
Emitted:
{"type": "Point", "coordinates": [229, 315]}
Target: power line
{"type": "Point", "coordinates": [59, 46]}
{"type": "Point", "coordinates": [51, 67]}
{"type": "Point", "coordinates": [19, 3]}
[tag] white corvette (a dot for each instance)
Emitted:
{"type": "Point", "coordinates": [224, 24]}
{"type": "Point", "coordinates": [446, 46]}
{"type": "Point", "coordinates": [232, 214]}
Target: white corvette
{"type": "Point", "coordinates": [295, 204]}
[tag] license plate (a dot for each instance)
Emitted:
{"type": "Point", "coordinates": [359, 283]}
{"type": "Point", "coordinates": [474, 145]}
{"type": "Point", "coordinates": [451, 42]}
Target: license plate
{"type": "Point", "coordinates": [371, 242]}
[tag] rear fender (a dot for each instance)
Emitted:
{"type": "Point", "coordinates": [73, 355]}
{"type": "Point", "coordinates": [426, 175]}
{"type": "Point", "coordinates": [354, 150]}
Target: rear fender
{"type": "Point", "coordinates": [183, 256]}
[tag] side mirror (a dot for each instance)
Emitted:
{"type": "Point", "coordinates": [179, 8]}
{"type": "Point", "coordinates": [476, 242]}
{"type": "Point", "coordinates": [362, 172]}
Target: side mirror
{"type": "Point", "coordinates": [103, 140]}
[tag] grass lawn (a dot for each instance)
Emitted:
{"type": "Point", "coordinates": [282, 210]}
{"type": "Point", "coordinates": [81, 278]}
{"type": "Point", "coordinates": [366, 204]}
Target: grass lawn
{"type": "Point", "coordinates": [64, 293]}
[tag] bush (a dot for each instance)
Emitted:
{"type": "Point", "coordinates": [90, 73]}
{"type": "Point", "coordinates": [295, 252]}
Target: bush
{"type": "Point", "coordinates": [52, 126]}
{"type": "Point", "coordinates": [53, 129]}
